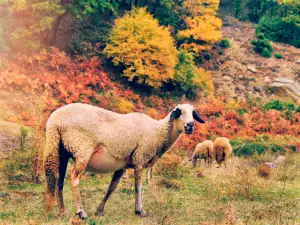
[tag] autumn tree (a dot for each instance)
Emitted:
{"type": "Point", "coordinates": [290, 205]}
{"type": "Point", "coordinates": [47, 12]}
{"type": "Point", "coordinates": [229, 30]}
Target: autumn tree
{"type": "Point", "coordinates": [202, 25]}
{"type": "Point", "coordinates": [144, 48]}
{"type": "Point", "coordinates": [191, 79]}
{"type": "Point", "coordinates": [25, 22]}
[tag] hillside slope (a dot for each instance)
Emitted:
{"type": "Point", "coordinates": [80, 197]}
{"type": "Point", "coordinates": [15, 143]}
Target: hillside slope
{"type": "Point", "coordinates": [241, 71]}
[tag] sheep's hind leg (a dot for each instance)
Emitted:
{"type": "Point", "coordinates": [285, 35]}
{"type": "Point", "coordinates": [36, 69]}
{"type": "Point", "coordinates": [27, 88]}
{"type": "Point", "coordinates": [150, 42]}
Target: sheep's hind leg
{"type": "Point", "coordinates": [138, 193]}
{"type": "Point", "coordinates": [77, 172]}
{"type": "Point", "coordinates": [149, 175]}
{"type": "Point", "coordinates": [63, 163]}
{"type": "Point", "coordinates": [113, 185]}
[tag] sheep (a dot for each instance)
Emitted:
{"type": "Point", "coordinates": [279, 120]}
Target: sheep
{"type": "Point", "coordinates": [222, 149]}
{"type": "Point", "coordinates": [204, 150]}
{"type": "Point", "coordinates": [103, 141]}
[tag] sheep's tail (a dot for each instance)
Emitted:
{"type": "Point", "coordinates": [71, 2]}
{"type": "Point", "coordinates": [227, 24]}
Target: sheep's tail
{"type": "Point", "coordinates": [51, 166]}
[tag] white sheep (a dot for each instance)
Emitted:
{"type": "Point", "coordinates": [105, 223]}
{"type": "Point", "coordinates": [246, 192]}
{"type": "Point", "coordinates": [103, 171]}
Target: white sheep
{"type": "Point", "coordinates": [222, 149]}
{"type": "Point", "coordinates": [102, 141]}
{"type": "Point", "coordinates": [204, 150]}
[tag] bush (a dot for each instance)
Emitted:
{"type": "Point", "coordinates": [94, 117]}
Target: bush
{"type": "Point", "coordinates": [278, 56]}
{"type": "Point", "coordinates": [252, 148]}
{"type": "Point", "coordinates": [220, 52]}
{"type": "Point", "coordinates": [169, 166]}
{"type": "Point", "coordinates": [189, 78]}
{"type": "Point", "coordinates": [207, 56]}
{"type": "Point", "coordinates": [262, 45]}
{"type": "Point", "coordinates": [20, 166]}
{"type": "Point", "coordinates": [145, 49]}
{"type": "Point", "coordinates": [266, 53]}
{"type": "Point", "coordinates": [280, 29]}
{"type": "Point", "coordinates": [279, 105]}
{"type": "Point", "coordinates": [225, 43]}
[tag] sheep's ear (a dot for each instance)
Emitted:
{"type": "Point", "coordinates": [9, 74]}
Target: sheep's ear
{"type": "Point", "coordinates": [197, 117]}
{"type": "Point", "coordinates": [175, 114]}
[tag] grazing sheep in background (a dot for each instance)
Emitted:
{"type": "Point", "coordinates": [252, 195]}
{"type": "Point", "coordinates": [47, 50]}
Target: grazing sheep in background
{"type": "Point", "coordinates": [222, 149]}
{"type": "Point", "coordinates": [204, 150]}
{"type": "Point", "coordinates": [102, 141]}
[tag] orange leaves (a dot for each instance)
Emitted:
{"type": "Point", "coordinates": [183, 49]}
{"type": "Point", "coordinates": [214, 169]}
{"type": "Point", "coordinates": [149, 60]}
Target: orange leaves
{"type": "Point", "coordinates": [228, 123]}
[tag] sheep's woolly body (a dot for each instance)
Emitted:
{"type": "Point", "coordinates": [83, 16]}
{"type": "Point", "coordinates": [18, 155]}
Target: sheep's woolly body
{"type": "Point", "coordinates": [222, 148]}
{"type": "Point", "coordinates": [204, 150]}
{"type": "Point", "coordinates": [85, 128]}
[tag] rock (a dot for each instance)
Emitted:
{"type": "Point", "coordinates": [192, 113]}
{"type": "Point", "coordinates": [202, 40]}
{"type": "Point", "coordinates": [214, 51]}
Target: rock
{"type": "Point", "coordinates": [270, 164]}
{"type": "Point", "coordinates": [298, 61]}
{"type": "Point", "coordinates": [280, 160]}
{"type": "Point", "coordinates": [290, 87]}
{"type": "Point", "coordinates": [227, 78]}
{"type": "Point", "coordinates": [267, 80]}
{"type": "Point", "coordinates": [252, 68]}
{"type": "Point", "coordinates": [257, 89]}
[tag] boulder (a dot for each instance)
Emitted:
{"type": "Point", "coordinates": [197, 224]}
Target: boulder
{"type": "Point", "coordinates": [252, 68]}
{"type": "Point", "coordinates": [290, 87]}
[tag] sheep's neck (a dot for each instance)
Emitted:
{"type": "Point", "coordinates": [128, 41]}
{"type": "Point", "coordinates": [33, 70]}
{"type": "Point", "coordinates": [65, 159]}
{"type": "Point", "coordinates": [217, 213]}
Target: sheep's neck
{"type": "Point", "coordinates": [172, 135]}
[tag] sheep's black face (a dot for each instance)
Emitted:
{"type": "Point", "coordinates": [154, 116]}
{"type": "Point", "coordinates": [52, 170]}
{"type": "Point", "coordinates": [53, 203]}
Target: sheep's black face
{"type": "Point", "coordinates": [184, 116]}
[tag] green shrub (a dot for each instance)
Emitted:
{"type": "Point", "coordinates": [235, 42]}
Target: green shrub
{"type": "Point", "coordinates": [279, 29]}
{"type": "Point", "coordinates": [279, 105]}
{"type": "Point", "coordinates": [262, 45]}
{"type": "Point", "coordinates": [266, 53]}
{"type": "Point", "coordinates": [19, 167]}
{"type": "Point", "coordinates": [225, 43]}
{"type": "Point", "coordinates": [249, 148]}
{"type": "Point", "coordinates": [207, 56]}
{"type": "Point", "coordinates": [278, 56]}
{"type": "Point", "coordinates": [298, 109]}
{"type": "Point", "coordinates": [221, 52]}
{"type": "Point", "coordinates": [189, 78]}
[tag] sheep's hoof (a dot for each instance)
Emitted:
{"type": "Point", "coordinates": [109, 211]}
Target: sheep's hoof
{"type": "Point", "coordinates": [99, 213]}
{"type": "Point", "coordinates": [141, 213]}
{"type": "Point", "coordinates": [82, 215]}
{"type": "Point", "coordinates": [62, 214]}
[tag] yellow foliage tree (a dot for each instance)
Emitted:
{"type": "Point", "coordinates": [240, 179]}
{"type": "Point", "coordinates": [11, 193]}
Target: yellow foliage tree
{"type": "Point", "coordinates": [143, 47]}
{"type": "Point", "coordinates": [202, 25]}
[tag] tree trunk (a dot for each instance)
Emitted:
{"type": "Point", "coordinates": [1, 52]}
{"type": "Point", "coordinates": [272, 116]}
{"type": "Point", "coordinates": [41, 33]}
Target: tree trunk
{"type": "Point", "coordinates": [55, 28]}
{"type": "Point", "coordinates": [154, 7]}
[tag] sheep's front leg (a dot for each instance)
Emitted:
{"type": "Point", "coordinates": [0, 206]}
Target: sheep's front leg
{"type": "Point", "coordinates": [113, 185]}
{"type": "Point", "coordinates": [138, 193]}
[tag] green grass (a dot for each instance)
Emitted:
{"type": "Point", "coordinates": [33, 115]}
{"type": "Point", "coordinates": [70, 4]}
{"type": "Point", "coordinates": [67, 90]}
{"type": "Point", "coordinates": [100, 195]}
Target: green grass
{"type": "Point", "coordinates": [222, 194]}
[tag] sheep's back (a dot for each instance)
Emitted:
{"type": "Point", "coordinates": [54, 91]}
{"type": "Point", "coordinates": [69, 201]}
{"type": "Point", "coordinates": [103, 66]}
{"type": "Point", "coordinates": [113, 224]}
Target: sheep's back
{"type": "Point", "coordinates": [119, 133]}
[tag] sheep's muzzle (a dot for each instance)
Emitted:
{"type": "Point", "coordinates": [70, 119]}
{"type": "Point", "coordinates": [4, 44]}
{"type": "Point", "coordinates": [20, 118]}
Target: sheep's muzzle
{"type": "Point", "coordinates": [189, 127]}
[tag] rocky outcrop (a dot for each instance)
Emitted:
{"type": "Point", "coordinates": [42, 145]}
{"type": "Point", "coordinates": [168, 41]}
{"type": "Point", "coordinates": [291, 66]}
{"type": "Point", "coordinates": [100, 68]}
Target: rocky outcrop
{"type": "Point", "coordinates": [288, 86]}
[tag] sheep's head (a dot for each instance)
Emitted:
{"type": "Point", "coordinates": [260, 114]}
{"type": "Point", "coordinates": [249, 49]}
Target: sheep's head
{"type": "Point", "coordinates": [184, 115]}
